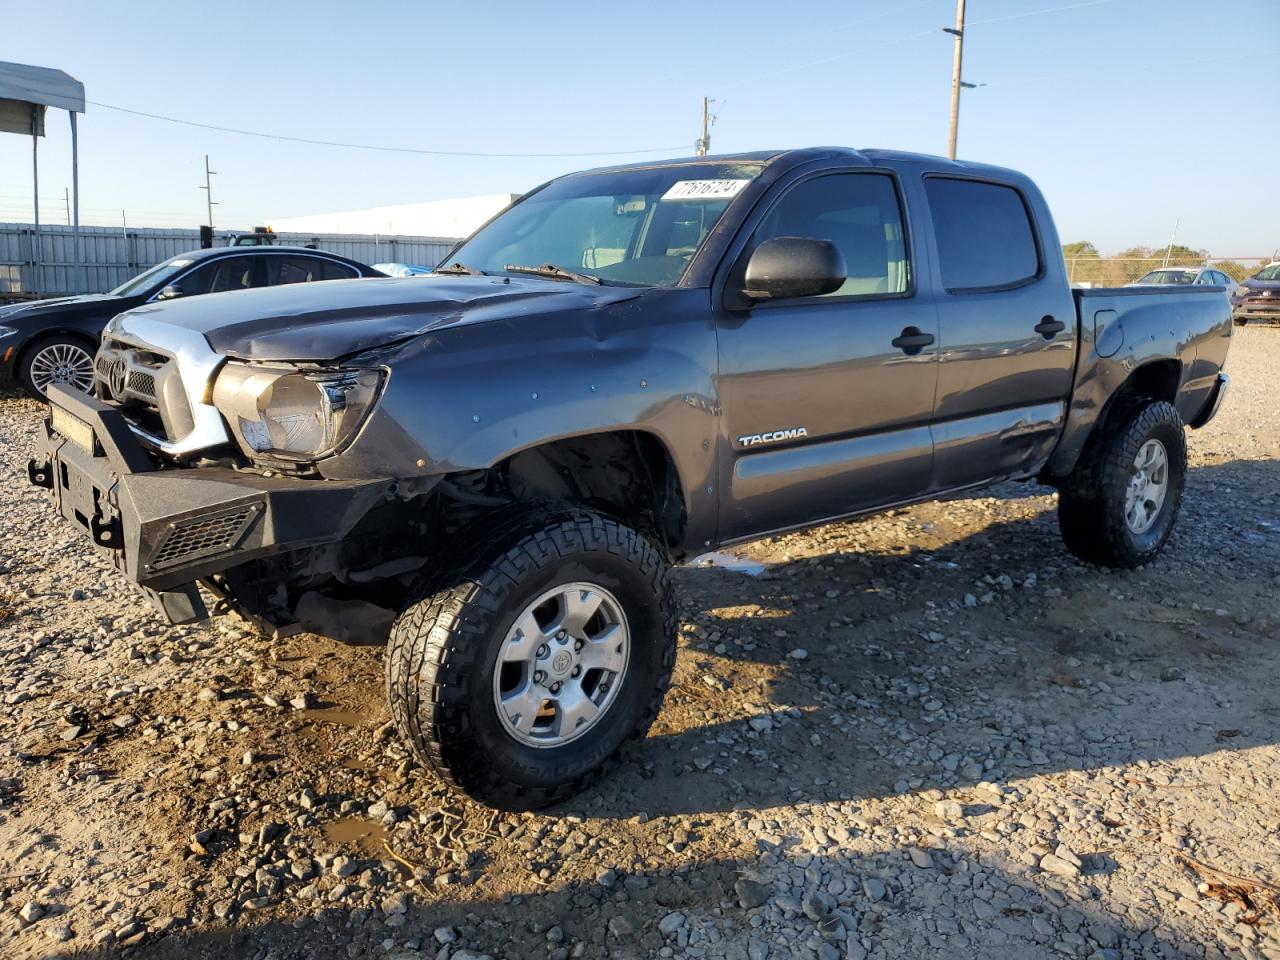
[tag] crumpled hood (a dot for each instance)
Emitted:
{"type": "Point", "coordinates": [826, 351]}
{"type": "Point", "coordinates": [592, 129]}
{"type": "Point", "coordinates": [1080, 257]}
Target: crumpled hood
{"type": "Point", "coordinates": [1257, 286]}
{"type": "Point", "coordinates": [336, 318]}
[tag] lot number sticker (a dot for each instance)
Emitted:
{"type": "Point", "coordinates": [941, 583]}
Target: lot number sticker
{"type": "Point", "coordinates": [704, 189]}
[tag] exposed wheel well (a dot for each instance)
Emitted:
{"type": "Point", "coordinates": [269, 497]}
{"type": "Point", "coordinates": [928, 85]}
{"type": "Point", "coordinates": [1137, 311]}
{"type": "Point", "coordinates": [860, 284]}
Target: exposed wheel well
{"type": "Point", "coordinates": [1154, 380]}
{"type": "Point", "coordinates": [1157, 380]}
{"type": "Point", "coordinates": [627, 474]}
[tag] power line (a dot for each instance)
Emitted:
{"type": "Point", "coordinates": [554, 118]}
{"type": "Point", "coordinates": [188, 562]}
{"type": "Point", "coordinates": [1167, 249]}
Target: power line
{"type": "Point", "coordinates": [379, 147]}
{"type": "Point", "coordinates": [898, 40]}
{"type": "Point", "coordinates": [1036, 13]}
{"type": "Point", "coordinates": [1145, 68]}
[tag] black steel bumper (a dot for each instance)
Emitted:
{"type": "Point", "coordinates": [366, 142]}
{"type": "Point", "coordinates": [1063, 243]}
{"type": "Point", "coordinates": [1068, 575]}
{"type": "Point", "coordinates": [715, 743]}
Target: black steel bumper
{"type": "Point", "coordinates": [166, 528]}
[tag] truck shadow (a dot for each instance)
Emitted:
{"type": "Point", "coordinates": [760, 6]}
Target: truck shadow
{"type": "Point", "coordinates": [958, 905]}
{"type": "Point", "coordinates": [991, 658]}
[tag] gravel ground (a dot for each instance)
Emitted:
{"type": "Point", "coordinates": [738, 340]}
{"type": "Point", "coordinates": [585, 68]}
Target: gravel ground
{"type": "Point", "coordinates": [930, 733]}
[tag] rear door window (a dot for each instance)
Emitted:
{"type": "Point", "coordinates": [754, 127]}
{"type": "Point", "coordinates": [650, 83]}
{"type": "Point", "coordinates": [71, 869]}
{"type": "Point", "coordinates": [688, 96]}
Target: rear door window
{"type": "Point", "coordinates": [281, 270]}
{"type": "Point", "coordinates": [338, 271]}
{"type": "Point", "coordinates": [984, 234]}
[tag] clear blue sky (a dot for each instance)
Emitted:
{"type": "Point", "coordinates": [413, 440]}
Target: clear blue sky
{"type": "Point", "coordinates": [1130, 113]}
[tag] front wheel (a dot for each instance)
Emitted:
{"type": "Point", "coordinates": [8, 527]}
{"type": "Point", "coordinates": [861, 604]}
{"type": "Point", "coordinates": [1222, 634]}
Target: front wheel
{"type": "Point", "coordinates": [56, 358]}
{"type": "Point", "coordinates": [1121, 506]}
{"type": "Point", "coordinates": [520, 674]}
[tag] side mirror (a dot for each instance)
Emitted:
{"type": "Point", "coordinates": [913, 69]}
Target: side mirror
{"type": "Point", "coordinates": [788, 267]}
{"type": "Point", "coordinates": [170, 292]}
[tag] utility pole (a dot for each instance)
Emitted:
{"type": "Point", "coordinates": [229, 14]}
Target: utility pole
{"type": "Point", "coordinates": [704, 142]}
{"type": "Point", "coordinates": [66, 198]}
{"type": "Point", "coordinates": [208, 189]}
{"type": "Point", "coordinates": [956, 83]}
{"type": "Point", "coordinates": [1172, 236]}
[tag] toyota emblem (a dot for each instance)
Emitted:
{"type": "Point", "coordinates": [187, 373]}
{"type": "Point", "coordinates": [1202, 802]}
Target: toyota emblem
{"type": "Point", "coordinates": [115, 378]}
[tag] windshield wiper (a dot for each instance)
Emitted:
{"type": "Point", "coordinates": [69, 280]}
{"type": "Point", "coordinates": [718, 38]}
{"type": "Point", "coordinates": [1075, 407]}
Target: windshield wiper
{"type": "Point", "coordinates": [460, 269]}
{"type": "Point", "coordinates": [551, 270]}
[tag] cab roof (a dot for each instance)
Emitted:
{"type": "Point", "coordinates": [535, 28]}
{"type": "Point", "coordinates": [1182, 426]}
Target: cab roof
{"type": "Point", "coordinates": [793, 157]}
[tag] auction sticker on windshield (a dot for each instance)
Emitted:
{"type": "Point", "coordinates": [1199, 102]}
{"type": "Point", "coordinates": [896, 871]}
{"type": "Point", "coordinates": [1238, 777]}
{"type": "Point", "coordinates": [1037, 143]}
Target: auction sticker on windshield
{"type": "Point", "coordinates": [704, 189]}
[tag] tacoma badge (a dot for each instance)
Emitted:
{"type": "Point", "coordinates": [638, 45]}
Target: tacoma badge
{"type": "Point", "coordinates": [791, 433]}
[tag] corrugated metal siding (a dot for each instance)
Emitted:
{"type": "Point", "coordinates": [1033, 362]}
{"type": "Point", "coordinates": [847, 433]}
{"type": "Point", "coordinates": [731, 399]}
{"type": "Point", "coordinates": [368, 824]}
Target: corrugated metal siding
{"type": "Point", "coordinates": [111, 256]}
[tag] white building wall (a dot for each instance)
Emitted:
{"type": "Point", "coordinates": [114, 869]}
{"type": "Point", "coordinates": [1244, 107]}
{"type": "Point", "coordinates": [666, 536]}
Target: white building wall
{"type": "Point", "coordinates": [436, 218]}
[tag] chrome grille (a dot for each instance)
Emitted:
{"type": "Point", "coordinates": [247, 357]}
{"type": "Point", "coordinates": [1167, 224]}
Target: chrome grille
{"type": "Point", "coordinates": [198, 537]}
{"type": "Point", "coordinates": [142, 384]}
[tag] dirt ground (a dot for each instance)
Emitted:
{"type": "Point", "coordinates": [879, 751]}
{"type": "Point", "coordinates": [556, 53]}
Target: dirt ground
{"type": "Point", "coordinates": [927, 734]}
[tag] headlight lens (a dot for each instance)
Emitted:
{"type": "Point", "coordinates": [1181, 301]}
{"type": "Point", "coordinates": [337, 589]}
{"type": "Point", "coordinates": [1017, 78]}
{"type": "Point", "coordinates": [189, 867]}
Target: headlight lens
{"type": "Point", "coordinates": [294, 414]}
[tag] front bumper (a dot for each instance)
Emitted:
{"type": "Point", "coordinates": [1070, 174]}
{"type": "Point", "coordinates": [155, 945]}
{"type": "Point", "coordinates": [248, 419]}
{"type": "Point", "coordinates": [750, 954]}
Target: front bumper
{"type": "Point", "coordinates": [166, 528]}
{"type": "Point", "coordinates": [1255, 309]}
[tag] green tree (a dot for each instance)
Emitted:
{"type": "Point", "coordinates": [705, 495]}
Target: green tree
{"type": "Point", "coordinates": [1081, 248]}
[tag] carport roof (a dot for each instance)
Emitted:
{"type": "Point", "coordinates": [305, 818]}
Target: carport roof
{"type": "Point", "coordinates": [42, 86]}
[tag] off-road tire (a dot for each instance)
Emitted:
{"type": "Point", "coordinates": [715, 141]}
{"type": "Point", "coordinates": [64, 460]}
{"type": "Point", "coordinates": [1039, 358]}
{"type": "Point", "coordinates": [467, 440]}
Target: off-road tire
{"type": "Point", "coordinates": [442, 651]}
{"type": "Point", "coordinates": [1091, 504]}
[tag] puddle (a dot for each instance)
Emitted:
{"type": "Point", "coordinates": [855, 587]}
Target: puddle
{"type": "Point", "coordinates": [338, 715]}
{"type": "Point", "coordinates": [357, 833]}
{"type": "Point", "coordinates": [723, 560]}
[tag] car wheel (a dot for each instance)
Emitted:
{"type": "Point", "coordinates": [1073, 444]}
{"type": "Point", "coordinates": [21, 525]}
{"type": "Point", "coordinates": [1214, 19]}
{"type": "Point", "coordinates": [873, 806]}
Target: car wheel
{"type": "Point", "coordinates": [56, 359]}
{"type": "Point", "coordinates": [1121, 507]}
{"type": "Point", "coordinates": [518, 676]}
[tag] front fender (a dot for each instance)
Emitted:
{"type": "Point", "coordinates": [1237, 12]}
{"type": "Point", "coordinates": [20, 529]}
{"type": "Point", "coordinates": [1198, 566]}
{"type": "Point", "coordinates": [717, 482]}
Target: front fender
{"type": "Point", "coordinates": [468, 397]}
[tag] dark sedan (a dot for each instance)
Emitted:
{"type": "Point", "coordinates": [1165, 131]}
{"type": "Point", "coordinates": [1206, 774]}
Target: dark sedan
{"type": "Point", "coordinates": [1258, 298]}
{"type": "Point", "coordinates": [53, 341]}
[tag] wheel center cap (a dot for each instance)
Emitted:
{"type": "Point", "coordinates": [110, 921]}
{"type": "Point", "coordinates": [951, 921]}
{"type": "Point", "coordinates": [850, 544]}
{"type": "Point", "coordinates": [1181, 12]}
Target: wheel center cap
{"type": "Point", "coordinates": [561, 663]}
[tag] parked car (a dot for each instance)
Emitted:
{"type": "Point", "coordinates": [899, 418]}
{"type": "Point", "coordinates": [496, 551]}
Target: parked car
{"type": "Point", "coordinates": [1184, 277]}
{"type": "Point", "coordinates": [53, 341]}
{"type": "Point", "coordinates": [1258, 298]}
{"type": "Point", "coordinates": [625, 369]}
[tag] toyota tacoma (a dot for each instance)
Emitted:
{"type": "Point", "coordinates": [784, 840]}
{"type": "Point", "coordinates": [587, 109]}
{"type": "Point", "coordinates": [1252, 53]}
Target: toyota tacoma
{"type": "Point", "coordinates": [626, 368]}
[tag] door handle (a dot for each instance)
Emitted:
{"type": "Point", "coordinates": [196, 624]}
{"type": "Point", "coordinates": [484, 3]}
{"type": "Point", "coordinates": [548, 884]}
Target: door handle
{"type": "Point", "coordinates": [1048, 327]}
{"type": "Point", "coordinates": [912, 340]}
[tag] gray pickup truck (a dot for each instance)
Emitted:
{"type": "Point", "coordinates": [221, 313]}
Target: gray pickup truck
{"type": "Point", "coordinates": [626, 368]}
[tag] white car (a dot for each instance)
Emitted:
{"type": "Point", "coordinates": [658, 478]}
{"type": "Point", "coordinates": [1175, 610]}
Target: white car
{"type": "Point", "coordinates": [1186, 277]}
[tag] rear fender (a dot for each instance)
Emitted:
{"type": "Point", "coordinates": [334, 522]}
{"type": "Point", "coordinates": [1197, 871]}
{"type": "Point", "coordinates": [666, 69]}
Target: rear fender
{"type": "Point", "coordinates": [1114, 348]}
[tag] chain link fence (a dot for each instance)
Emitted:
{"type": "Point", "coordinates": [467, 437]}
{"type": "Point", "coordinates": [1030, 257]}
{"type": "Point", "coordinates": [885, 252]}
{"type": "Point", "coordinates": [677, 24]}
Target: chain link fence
{"type": "Point", "coordinates": [1098, 271]}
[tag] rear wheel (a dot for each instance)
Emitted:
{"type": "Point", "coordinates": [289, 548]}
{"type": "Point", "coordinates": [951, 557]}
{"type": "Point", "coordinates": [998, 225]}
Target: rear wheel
{"type": "Point", "coordinates": [519, 675]}
{"type": "Point", "coordinates": [59, 359]}
{"type": "Point", "coordinates": [1120, 507]}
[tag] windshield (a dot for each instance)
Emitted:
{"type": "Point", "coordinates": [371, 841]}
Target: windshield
{"type": "Point", "coordinates": [1169, 276]}
{"type": "Point", "coordinates": [156, 276]}
{"type": "Point", "coordinates": [1271, 272]}
{"type": "Point", "coordinates": [637, 227]}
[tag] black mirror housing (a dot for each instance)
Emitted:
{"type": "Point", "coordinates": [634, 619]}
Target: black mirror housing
{"type": "Point", "coordinates": [788, 267]}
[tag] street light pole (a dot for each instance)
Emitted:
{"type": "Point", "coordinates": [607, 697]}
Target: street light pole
{"type": "Point", "coordinates": [955, 78]}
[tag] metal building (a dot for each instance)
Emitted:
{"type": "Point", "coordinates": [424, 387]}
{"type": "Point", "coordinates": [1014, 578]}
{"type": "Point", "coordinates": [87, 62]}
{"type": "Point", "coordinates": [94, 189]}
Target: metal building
{"type": "Point", "coordinates": [44, 263]}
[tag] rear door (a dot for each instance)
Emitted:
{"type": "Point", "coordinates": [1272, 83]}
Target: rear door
{"type": "Point", "coordinates": [823, 413]}
{"type": "Point", "coordinates": [1007, 331]}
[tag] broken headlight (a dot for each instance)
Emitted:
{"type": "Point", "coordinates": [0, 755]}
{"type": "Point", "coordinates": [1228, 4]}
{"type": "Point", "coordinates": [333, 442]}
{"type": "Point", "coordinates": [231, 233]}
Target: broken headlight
{"type": "Point", "coordinates": [294, 414]}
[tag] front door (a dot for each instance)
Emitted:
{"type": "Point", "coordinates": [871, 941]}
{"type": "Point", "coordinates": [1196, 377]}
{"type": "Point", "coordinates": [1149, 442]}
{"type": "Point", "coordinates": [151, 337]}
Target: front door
{"type": "Point", "coordinates": [827, 400]}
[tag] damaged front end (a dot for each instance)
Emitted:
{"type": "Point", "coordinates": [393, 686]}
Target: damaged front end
{"type": "Point", "coordinates": [255, 539]}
